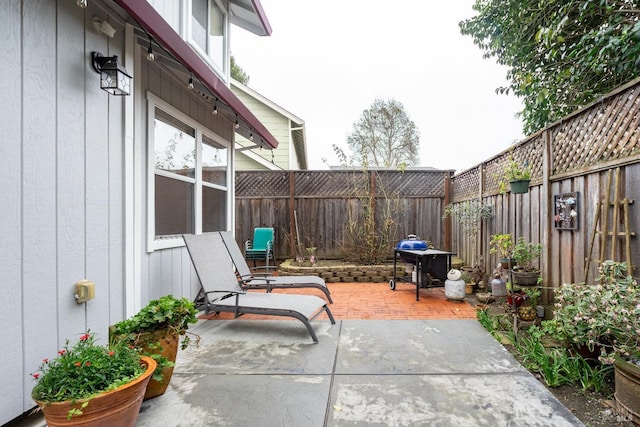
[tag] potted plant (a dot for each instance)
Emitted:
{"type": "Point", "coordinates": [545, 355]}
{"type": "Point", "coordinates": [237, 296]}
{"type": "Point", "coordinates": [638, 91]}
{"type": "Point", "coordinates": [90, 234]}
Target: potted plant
{"type": "Point", "coordinates": [468, 282]}
{"type": "Point", "coordinates": [155, 330]}
{"type": "Point", "coordinates": [88, 382]}
{"type": "Point", "coordinates": [469, 215]}
{"type": "Point", "coordinates": [524, 253]}
{"type": "Point", "coordinates": [605, 316]}
{"type": "Point", "coordinates": [502, 244]}
{"type": "Point", "coordinates": [528, 310]}
{"type": "Point", "coordinates": [517, 176]}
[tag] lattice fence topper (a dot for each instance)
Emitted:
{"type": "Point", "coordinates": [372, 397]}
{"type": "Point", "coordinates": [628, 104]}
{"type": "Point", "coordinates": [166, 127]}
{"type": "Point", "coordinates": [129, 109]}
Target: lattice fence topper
{"type": "Point", "coordinates": [258, 183]}
{"type": "Point", "coordinates": [605, 131]}
{"type": "Point", "coordinates": [466, 185]}
{"type": "Point", "coordinates": [340, 183]}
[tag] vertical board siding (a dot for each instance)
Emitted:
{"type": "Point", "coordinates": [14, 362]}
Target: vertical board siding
{"type": "Point", "coordinates": [42, 290]}
{"type": "Point", "coordinates": [11, 394]}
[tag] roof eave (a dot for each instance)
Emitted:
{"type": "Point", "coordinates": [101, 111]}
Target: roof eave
{"type": "Point", "coordinates": [156, 26]}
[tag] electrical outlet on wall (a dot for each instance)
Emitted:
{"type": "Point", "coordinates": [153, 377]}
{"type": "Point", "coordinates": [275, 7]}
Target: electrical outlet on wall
{"type": "Point", "coordinates": [85, 290]}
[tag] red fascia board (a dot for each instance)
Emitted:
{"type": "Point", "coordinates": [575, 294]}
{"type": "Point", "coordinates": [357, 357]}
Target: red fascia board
{"type": "Point", "coordinates": [262, 16]}
{"type": "Point", "coordinates": [156, 26]}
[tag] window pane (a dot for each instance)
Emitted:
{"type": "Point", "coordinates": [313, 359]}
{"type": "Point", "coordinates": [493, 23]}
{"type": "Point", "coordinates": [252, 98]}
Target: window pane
{"type": "Point", "coordinates": [216, 36]}
{"type": "Point", "coordinates": [174, 145]}
{"type": "Point", "coordinates": [214, 210]}
{"type": "Point", "coordinates": [174, 206]}
{"type": "Point", "coordinates": [214, 162]}
{"type": "Point", "coordinates": [199, 23]}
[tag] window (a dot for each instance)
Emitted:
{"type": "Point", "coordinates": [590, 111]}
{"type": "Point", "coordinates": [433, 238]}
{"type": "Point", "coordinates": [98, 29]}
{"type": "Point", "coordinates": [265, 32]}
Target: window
{"type": "Point", "coordinates": [189, 176]}
{"type": "Point", "coordinates": [208, 32]}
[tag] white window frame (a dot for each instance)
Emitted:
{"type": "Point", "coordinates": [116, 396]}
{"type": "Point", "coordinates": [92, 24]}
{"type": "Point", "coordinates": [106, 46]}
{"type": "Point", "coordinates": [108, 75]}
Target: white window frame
{"type": "Point", "coordinates": [165, 242]}
{"type": "Point", "coordinates": [225, 71]}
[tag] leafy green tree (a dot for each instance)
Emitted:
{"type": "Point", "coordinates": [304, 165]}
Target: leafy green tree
{"type": "Point", "coordinates": [385, 136]}
{"type": "Point", "coordinates": [237, 73]}
{"type": "Point", "coordinates": [561, 54]}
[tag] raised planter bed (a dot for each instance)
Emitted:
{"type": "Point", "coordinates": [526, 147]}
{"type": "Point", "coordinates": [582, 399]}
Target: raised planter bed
{"type": "Point", "coordinates": [339, 271]}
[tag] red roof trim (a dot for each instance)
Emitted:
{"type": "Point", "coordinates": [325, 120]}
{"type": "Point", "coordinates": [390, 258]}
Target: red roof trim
{"type": "Point", "coordinates": [162, 32]}
{"type": "Point", "coordinates": [262, 16]}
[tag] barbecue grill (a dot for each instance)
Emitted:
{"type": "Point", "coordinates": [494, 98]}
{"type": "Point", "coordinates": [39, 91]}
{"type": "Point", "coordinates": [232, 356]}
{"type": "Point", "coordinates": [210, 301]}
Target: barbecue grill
{"type": "Point", "coordinates": [424, 267]}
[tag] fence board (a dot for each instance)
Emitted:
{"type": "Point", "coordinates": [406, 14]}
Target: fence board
{"type": "Point", "coordinates": [582, 147]}
{"type": "Point", "coordinates": [324, 199]}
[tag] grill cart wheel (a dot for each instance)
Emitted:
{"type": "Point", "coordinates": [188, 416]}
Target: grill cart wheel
{"type": "Point", "coordinates": [392, 285]}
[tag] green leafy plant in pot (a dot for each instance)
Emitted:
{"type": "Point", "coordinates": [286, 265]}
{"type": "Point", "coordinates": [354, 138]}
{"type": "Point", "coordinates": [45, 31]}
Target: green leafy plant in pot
{"type": "Point", "coordinates": [155, 331]}
{"type": "Point", "coordinates": [469, 215]}
{"type": "Point", "coordinates": [502, 244]}
{"type": "Point", "coordinates": [88, 382]}
{"type": "Point", "coordinates": [527, 311]}
{"type": "Point", "coordinates": [517, 176]}
{"type": "Point", "coordinates": [524, 273]}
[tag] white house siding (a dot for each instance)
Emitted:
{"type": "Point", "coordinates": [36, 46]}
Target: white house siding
{"type": "Point", "coordinates": [169, 271]}
{"type": "Point", "coordinates": [170, 11]}
{"type": "Point", "coordinates": [62, 167]}
{"type": "Point", "coordinates": [278, 125]}
{"type": "Point", "coordinates": [62, 187]}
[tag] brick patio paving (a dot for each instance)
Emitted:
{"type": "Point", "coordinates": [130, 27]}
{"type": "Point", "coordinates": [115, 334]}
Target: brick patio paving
{"type": "Point", "coordinates": [375, 301]}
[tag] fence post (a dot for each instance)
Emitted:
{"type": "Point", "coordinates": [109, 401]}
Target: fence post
{"type": "Point", "coordinates": [292, 207]}
{"type": "Point", "coordinates": [447, 220]}
{"type": "Point", "coordinates": [547, 227]}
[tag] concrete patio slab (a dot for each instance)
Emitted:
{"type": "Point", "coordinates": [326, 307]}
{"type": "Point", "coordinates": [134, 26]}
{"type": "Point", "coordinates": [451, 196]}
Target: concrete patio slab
{"type": "Point", "coordinates": [362, 373]}
{"type": "Point", "coordinates": [420, 347]}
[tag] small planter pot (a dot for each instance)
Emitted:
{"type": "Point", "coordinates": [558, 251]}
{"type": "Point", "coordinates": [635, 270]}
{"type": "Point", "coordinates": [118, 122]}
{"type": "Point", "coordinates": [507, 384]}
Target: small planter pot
{"type": "Point", "coordinates": [520, 187]}
{"type": "Point", "coordinates": [484, 297]}
{"type": "Point", "coordinates": [508, 263]}
{"type": "Point", "coordinates": [118, 407]}
{"type": "Point", "coordinates": [515, 299]}
{"type": "Point", "coordinates": [627, 379]}
{"type": "Point", "coordinates": [468, 288]}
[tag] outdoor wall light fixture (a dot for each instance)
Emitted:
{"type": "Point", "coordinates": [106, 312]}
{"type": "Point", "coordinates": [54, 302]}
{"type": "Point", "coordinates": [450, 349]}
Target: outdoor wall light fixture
{"type": "Point", "coordinates": [82, 3]}
{"type": "Point", "coordinates": [114, 78]}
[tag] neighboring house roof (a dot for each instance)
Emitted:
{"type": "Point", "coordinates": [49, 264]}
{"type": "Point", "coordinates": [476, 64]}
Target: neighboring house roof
{"type": "Point", "coordinates": [144, 13]}
{"type": "Point", "coordinates": [296, 129]}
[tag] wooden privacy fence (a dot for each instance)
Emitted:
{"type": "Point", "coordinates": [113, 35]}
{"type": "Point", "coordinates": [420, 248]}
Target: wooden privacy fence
{"type": "Point", "coordinates": [322, 202]}
{"type": "Point", "coordinates": [576, 156]}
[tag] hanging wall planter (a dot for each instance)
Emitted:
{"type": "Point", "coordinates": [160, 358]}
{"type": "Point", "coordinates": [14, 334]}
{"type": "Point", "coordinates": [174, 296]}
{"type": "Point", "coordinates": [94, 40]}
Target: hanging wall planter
{"type": "Point", "coordinates": [519, 187]}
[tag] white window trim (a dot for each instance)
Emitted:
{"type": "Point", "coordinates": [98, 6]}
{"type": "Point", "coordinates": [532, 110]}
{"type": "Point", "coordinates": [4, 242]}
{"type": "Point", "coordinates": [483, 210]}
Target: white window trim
{"type": "Point", "coordinates": [153, 243]}
{"type": "Point", "coordinates": [224, 73]}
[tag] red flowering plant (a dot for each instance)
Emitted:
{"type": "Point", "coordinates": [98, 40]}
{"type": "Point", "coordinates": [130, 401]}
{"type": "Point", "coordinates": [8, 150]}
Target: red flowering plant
{"type": "Point", "coordinates": [85, 370]}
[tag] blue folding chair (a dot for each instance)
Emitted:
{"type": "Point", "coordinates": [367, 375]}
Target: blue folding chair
{"type": "Point", "coordinates": [261, 247]}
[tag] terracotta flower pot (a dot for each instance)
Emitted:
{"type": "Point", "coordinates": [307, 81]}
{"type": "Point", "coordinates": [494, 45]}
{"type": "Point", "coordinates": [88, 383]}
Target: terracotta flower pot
{"type": "Point", "coordinates": [169, 344]}
{"type": "Point", "coordinates": [118, 407]}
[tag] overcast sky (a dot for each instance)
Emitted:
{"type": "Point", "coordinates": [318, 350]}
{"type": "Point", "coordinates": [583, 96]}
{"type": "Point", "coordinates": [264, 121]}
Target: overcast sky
{"type": "Point", "coordinates": [328, 61]}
